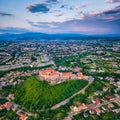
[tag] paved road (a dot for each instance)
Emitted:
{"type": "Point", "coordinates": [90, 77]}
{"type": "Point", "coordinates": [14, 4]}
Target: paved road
{"type": "Point", "coordinates": [68, 99]}
{"type": "Point", "coordinates": [18, 108]}
{"type": "Point", "coordinates": [94, 106]}
{"type": "Point", "coordinates": [10, 67]}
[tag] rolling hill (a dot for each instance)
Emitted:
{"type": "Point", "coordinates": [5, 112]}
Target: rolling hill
{"type": "Point", "coordinates": [35, 94]}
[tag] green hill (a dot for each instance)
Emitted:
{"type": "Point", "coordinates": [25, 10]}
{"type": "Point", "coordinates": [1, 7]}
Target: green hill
{"type": "Point", "coordinates": [35, 94]}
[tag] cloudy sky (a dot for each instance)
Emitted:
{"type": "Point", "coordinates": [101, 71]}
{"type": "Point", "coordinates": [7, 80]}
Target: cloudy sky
{"type": "Point", "coordinates": [60, 16]}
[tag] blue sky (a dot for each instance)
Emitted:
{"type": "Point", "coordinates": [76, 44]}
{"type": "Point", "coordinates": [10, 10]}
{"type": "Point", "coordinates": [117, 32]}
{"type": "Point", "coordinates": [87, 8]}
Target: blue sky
{"type": "Point", "coordinates": [60, 16]}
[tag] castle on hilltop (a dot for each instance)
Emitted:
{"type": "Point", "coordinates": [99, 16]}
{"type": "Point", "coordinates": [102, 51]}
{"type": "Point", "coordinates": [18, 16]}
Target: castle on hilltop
{"type": "Point", "coordinates": [55, 77]}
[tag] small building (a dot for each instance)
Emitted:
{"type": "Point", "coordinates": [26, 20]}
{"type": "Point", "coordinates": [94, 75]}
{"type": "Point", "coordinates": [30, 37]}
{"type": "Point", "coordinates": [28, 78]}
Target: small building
{"type": "Point", "coordinates": [82, 107]}
{"type": "Point", "coordinates": [104, 107]}
{"type": "Point", "coordinates": [85, 77]}
{"type": "Point", "coordinates": [11, 96]}
{"type": "Point", "coordinates": [91, 111]}
{"type": "Point", "coordinates": [111, 98]}
{"type": "Point", "coordinates": [90, 78]}
{"type": "Point", "coordinates": [98, 111]}
{"type": "Point", "coordinates": [1, 106]}
{"type": "Point", "coordinates": [85, 114]}
{"type": "Point", "coordinates": [110, 105]}
{"type": "Point", "coordinates": [97, 100]}
{"type": "Point", "coordinates": [7, 105]}
{"type": "Point", "coordinates": [93, 101]}
{"type": "Point", "coordinates": [105, 89]}
{"type": "Point", "coordinates": [22, 116]}
{"type": "Point", "coordinates": [98, 92]}
{"type": "Point", "coordinates": [74, 108]}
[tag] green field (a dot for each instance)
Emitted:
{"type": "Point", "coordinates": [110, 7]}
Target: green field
{"type": "Point", "coordinates": [35, 94]}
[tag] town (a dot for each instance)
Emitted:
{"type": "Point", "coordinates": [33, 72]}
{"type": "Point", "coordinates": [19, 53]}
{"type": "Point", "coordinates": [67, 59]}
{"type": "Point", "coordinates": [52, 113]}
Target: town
{"type": "Point", "coordinates": [92, 62]}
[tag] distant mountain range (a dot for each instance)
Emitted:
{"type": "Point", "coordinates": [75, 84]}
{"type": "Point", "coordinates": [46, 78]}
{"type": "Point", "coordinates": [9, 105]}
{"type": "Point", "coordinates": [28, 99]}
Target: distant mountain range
{"type": "Point", "coordinates": [32, 35]}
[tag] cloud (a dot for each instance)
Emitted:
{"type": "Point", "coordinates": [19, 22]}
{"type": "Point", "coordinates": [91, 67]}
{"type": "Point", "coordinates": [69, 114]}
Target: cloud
{"type": "Point", "coordinates": [63, 6]}
{"type": "Point", "coordinates": [107, 21]}
{"type": "Point", "coordinates": [60, 14]}
{"type": "Point", "coordinates": [52, 1]}
{"type": "Point", "coordinates": [112, 1]}
{"type": "Point", "coordinates": [111, 14]}
{"type": "Point", "coordinates": [41, 7]}
{"type": "Point", "coordinates": [13, 30]}
{"type": "Point", "coordinates": [43, 24]}
{"type": "Point", "coordinates": [5, 14]}
{"type": "Point", "coordinates": [78, 7]}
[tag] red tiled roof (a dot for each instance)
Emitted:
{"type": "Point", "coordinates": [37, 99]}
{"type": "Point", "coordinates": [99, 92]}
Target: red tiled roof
{"type": "Point", "coordinates": [48, 72]}
{"type": "Point", "coordinates": [7, 104]}
{"type": "Point", "coordinates": [79, 74]}
{"type": "Point", "coordinates": [92, 111]}
{"type": "Point", "coordinates": [1, 107]}
{"type": "Point", "coordinates": [97, 110]}
{"type": "Point", "coordinates": [11, 96]}
{"type": "Point", "coordinates": [66, 74]}
{"type": "Point", "coordinates": [109, 97]}
{"type": "Point", "coordinates": [82, 107]}
{"type": "Point", "coordinates": [23, 117]}
{"type": "Point", "coordinates": [97, 100]}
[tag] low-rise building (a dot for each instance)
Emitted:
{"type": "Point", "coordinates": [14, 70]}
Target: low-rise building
{"type": "Point", "coordinates": [1, 106]}
{"type": "Point", "coordinates": [98, 111]}
{"type": "Point", "coordinates": [7, 105]}
{"type": "Point", "coordinates": [110, 105]}
{"type": "Point", "coordinates": [11, 96]}
{"type": "Point", "coordinates": [81, 107]}
{"type": "Point", "coordinates": [91, 111]}
{"type": "Point", "coordinates": [97, 100]}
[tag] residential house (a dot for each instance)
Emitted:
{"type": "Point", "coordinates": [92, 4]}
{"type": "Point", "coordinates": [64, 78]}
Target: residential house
{"type": "Point", "coordinates": [98, 111]}
{"type": "Point", "coordinates": [98, 92]}
{"type": "Point", "coordinates": [1, 106]}
{"type": "Point", "coordinates": [85, 114]}
{"type": "Point", "coordinates": [11, 96]}
{"type": "Point", "coordinates": [97, 100]}
{"type": "Point", "coordinates": [111, 98]}
{"type": "Point", "coordinates": [110, 105]}
{"type": "Point", "coordinates": [91, 111]}
{"type": "Point", "coordinates": [22, 116]}
{"type": "Point", "coordinates": [105, 89]}
{"type": "Point", "coordinates": [81, 107]}
{"type": "Point", "coordinates": [7, 105]}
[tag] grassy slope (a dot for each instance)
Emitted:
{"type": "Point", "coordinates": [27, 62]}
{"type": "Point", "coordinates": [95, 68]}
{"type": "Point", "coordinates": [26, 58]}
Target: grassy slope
{"type": "Point", "coordinates": [34, 94]}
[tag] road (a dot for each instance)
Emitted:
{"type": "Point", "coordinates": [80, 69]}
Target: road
{"type": "Point", "coordinates": [94, 106]}
{"type": "Point", "coordinates": [10, 67]}
{"type": "Point", "coordinates": [68, 99]}
{"type": "Point", "coordinates": [18, 108]}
